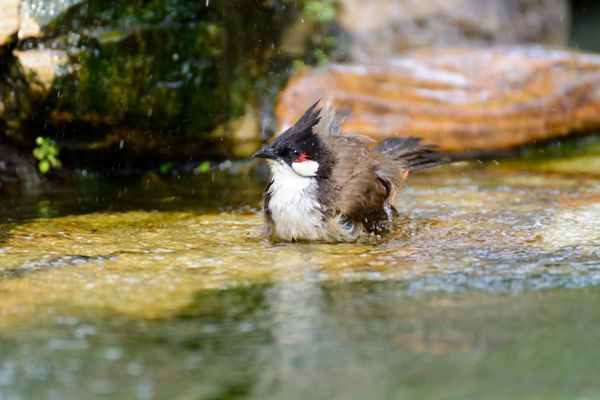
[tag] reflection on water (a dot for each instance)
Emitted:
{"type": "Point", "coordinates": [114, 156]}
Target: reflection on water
{"type": "Point", "coordinates": [316, 340]}
{"type": "Point", "coordinates": [166, 290]}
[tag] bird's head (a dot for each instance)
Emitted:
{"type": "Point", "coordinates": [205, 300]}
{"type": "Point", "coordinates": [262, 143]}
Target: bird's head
{"type": "Point", "coordinates": [299, 147]}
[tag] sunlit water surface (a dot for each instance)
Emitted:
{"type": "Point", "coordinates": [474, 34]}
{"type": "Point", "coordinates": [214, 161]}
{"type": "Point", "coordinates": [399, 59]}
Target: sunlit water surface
{"type": "Point", "coordinates": [489, 288]}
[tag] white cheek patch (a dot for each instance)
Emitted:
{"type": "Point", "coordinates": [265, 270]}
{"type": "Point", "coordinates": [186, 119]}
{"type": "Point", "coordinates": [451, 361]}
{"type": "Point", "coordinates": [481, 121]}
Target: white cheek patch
{"type": "Point", "coordinates": [306, 168]}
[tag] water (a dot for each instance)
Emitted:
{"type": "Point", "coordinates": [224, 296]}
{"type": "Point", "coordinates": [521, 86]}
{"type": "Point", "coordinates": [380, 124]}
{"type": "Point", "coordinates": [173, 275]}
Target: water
{"type": "Point", "coordinates": [163, 288]}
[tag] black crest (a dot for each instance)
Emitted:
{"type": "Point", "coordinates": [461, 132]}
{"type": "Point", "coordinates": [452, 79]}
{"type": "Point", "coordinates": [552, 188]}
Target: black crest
{"type": "Point", "coordinates": [310, 118]}
{"type": "Point", "coordinates": [303, 127]}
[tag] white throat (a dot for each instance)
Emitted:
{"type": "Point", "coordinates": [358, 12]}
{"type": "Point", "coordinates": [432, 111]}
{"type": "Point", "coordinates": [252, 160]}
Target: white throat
{"type": "Point", "coordinates": [293, 205]}
{"type": "Point", "coordinates": [306, 168]}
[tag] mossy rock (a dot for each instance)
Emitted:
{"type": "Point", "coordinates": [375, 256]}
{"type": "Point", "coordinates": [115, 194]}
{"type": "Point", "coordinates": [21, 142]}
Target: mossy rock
{"type": "Point", "coordinates": [160, 79]}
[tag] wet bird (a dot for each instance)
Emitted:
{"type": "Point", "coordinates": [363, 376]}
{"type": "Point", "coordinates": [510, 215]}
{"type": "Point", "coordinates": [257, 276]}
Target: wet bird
{"type": "Point", "coordinates": [331, 186]}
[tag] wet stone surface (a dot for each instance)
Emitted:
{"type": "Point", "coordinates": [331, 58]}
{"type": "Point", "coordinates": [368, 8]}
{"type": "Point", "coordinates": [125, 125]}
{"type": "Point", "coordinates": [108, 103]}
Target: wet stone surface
{"type": "Point", "coordinates": [488, 288]}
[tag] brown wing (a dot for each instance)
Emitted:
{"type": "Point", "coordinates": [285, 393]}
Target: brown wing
{"type": "Point", "coordinates": [358, 192]}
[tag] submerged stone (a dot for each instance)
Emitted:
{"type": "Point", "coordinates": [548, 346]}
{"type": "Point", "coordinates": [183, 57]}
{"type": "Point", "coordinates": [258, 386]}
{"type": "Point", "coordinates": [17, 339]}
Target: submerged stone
{"type": "Point", "coordinates": [493, 229]}
{"type": "Point", "coordinates": [171, 292]}
{"type": "Point", "coordinates": [579, 226]}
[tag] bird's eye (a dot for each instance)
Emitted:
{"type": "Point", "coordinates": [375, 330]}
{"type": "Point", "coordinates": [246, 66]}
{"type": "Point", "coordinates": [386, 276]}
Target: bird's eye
{"type": "Point", "coordinates": [296, 152]}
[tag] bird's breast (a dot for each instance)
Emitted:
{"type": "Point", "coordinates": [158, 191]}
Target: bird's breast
{"type": "Point", "coordinates": [293, 205]}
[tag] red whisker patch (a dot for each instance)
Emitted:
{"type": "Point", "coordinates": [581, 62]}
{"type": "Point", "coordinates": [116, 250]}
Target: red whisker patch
{"type": "Point", "coordinates": [302, 157]}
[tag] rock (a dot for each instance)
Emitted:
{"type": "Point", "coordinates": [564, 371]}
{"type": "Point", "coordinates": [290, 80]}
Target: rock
{"type": "Point", "coordinates": [464, 100]}
{"type": "Point", "coordinates": [574, 227]}
{"type": "Point", "coordinates": [15, 98]}
{"type": "Point", "coordinates": [10, 21]}
{"type": "Point", "coordinates": [384, 28]}
{"type": "Point", "coordinates": [17, 170]}
{"type": "Point", "coordinates": [136, 81]}
{"type": "Point", "coordinates": [244, 132]}
{"type": "Point", "coordinates": [41, 67]}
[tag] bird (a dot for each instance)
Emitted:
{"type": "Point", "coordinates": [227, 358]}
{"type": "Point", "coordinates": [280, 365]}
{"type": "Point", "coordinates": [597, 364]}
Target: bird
{"type": "Point", "coordinates": [330, 186]}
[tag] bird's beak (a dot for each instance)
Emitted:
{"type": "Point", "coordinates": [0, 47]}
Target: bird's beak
{"type": "Point", "coordinates": [265, 152]}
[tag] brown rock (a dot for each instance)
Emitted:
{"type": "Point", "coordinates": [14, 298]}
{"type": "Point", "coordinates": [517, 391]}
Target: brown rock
{"type": "Point", "coordinates": [383, 28]}
{"type": "Point", "coordinates": [462, 99]}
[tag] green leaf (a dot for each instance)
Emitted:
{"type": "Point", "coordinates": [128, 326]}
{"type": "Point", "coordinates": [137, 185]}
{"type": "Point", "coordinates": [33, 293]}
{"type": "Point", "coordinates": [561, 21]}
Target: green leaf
{"type": "Point", "coordinates": [321, 56]}
{"type": "Point", "coordinates": [330, 41]}
{"type": "Point", "coordinates": [54, 162]}
{"type": "Point", "coordinates": [203, 167]}
{"type": "Point", "coordinates": [327, 13]}
{"type": "Point", "coordinates": [38, 153]}
{"type": "Point", "coordinates": [44, 166]}
{"type": "Point", "coordinates": [319, 10]}
{"type": "Point", "coordinates": [165, 167]}
{"type": "Point", "coordinates": [298, 64]}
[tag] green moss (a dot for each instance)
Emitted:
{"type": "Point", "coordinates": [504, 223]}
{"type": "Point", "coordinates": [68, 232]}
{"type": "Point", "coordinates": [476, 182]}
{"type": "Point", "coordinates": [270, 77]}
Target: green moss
{"type": "Point", "coordinates": [559, 148]}
{"type": "Point", "coordinates": [157, 77]}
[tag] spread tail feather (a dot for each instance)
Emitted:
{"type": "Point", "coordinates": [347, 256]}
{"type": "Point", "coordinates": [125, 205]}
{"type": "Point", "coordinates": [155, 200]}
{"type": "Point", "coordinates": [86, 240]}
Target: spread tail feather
{"type": "Point", "coordinates": [413, 155]}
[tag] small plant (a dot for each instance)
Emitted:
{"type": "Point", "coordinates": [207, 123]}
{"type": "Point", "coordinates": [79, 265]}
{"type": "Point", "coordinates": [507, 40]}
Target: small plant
{"type": "Point", "coordinates": [321, 16]}
{"type": "Point", "coordinates": [319, 10]}
{"type": "Point", "coordinates": [202, 168]}
{"type": "Point", "coordinates": [298, 64]}
{"type": "Point", "coordinates": [321, 56]}
{"type": "Point", "coordinates": [166, 167]}
{"type": "Point", "coordinates": [47, 153]}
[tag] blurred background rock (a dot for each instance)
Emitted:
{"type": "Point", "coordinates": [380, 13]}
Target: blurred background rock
{"type": "Point", "coordinates": [129, 84]}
